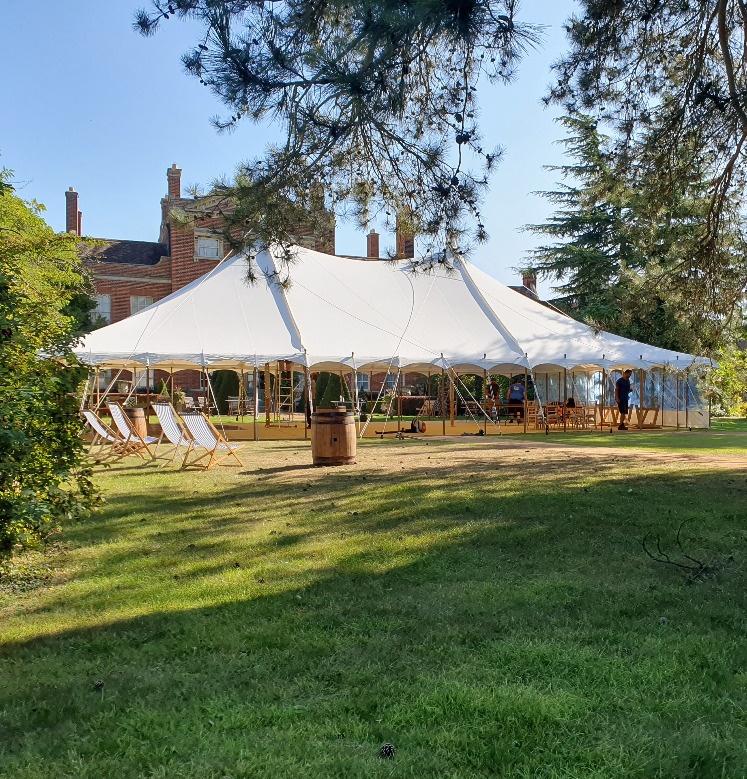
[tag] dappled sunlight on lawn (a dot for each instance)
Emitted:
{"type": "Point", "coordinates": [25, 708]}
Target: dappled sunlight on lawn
{"type": "Point", "coordinates": [170, 541]}
{"type": "Point", "coordinates": [485, 606]}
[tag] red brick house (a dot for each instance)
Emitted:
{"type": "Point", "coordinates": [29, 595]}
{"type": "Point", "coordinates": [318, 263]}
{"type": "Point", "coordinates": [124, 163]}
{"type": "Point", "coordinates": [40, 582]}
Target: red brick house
{"type": "Point", "coordinates": [130, 275]}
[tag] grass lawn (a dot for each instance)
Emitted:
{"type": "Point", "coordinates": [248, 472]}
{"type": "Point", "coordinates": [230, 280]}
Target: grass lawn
{"type": "Point", "coordinates": [485, 606]}
{"type": "Point", "coordinates": [720, 439]}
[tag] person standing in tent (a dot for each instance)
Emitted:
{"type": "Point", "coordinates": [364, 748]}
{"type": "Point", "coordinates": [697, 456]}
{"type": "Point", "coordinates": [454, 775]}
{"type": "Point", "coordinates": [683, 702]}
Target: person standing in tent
{"type": "Point", "coordinates": [622, 394]}
{"type": "Point", "coordinates": [516, 397]}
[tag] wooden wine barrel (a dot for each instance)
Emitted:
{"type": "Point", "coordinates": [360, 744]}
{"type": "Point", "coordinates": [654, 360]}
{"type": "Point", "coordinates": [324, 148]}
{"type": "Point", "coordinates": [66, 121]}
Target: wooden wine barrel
{"type": "Point", "coordinates": [333, 437]}
{"type": "Point", "coordinates": [137, 417]}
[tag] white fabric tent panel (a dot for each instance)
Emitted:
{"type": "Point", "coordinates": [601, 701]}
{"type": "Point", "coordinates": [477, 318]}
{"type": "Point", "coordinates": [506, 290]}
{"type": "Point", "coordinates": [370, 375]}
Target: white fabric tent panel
{"type": "Point", "coordinates": [217, 319]}
{"type": "Point", "coordinates": [381, 312]}
{"type": "Point", "coordinates": [551, 338]}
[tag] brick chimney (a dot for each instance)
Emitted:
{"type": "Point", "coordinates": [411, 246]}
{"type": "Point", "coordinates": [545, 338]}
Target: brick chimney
{"type": "Point", "coordinates": [372, 245]}
{"type": "Point", "coordinates": [529, 280]}
{"type": "Point", "coordinates": [73, 217]}
{"type": "Point", "coordinates": [174, 179]}
{"type": "Point", "coordinates": [405, 241]}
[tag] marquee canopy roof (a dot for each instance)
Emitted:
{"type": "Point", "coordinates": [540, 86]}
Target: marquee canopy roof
{"type": "Point", "coordinates": [366, 314]}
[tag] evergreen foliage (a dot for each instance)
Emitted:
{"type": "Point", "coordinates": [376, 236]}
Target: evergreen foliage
{"type": "Point", "coordinates": [332, 390]}
{"type": "Point", "coordinates": [377, 100]}
{"type": "Point", "coordinates": [224, 383]}
{"type": "Point", "coordinates": [669, 80]}
{"type": "Point", "coordinates": [44, 305]}
{"type": "Point", "coordinates": [626, 263]}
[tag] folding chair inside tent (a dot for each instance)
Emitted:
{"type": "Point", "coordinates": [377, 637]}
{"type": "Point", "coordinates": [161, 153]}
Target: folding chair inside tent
{"type": "Point", "coordinates": [103, 433]}
{"type": "Point", "coordinates": [132, 440]}
{"type": "Point", "coordinates": [172, 429]}
{"type": "Point", "coordinates": [208, 438]}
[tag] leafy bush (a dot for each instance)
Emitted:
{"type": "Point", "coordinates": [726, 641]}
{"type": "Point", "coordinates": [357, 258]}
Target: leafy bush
{"type": "Point", "coordinates": [728, 382]}
{"type": "Point", "coordinates": [44, 302]}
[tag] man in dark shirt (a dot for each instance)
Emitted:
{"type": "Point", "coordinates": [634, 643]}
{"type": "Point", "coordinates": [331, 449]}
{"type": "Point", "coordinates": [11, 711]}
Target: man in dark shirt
{"type": "Point", "coordinates": [622, 393]}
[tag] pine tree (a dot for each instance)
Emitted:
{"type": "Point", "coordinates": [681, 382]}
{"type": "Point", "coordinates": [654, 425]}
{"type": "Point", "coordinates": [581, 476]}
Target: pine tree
{"type": "Point", "coordinates": [591, 255]}
{"type": "Point", "coordinates": [630, 261]}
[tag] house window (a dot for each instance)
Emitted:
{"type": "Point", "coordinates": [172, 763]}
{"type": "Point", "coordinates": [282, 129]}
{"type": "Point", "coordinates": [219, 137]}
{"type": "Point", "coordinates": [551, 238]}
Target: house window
{"type": "Point", "coordinates": [208, 248]}
{"type": "Point", "coordinates": [139, 302]}
{"type": "Point", "coordinates": [103, 310]}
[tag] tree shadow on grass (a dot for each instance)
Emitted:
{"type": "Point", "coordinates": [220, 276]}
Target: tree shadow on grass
{"type": "Point", "coordinates": [485, 623]}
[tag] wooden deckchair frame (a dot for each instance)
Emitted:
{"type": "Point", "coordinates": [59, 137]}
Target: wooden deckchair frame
{"type": "Point", "coordinates": [133, 440]}
{"type": "Point", "coordinates": [179, 422]}
{"type": "Point", "coordinates": [214, 458]}
{"type": "Point", "coordinates": [116, 444]}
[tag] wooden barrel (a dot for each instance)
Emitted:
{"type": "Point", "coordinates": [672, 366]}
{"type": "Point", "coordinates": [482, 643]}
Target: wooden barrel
{"type": "Point", "coordinates": [137, 417]}
{"type": "Point", "coordinates": [333, 437]}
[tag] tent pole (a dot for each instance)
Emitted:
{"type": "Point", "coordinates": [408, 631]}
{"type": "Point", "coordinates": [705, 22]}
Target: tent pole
{"type": "Point", "coordinates": [661, 397]}
{"type": "Point", "coordinates": [442, 393]}
{"type": "Point", "coordinates": [256, 400]}
{"type": "Point", "coordinates": [309, 400]}
{"type": "Point", "coordinates": [603, 402]}
{"type": "Point", "coordinates": [268, 397]}
{"type": "Point", "coordinates": [687, 398]}
{"type": "Point", "coordinates": [147, 391]}
{"type": "Point", "coordinates": [677, 395]}
{"type": "Point", "coordinates": [428, 391]}
{"type": "Point", "coordinates": [98, 389]}
{"type": "Point", "coordinates": [452, 404]}
{"type": "Point", "coordinates": [356, 410]}
{"type": "Point", "coordinates": [565, 395]}
{"type": "Point", "coordinates": [305, 405]}
{"type": "Point", "coordinates": [276, 394]}
{"type": "Point", "coordinates": [399, 401]}
{"type": "Point", "coordinates": [484, 401]}
{"type": "Point", "coordinates": [526, 389]}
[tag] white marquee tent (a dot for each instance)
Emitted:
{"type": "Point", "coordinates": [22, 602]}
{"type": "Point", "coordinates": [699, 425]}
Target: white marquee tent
{"type": "Point", "coordinates": [371, 315]}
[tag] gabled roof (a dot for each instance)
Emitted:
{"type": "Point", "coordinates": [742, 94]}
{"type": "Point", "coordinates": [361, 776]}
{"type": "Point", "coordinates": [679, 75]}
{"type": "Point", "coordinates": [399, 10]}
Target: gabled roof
{"type": "Point", "coordinates": [125, 252]}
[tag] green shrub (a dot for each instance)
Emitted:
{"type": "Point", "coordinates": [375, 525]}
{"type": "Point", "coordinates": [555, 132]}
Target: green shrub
{"type": "Point", "coordinates": [44, 303]}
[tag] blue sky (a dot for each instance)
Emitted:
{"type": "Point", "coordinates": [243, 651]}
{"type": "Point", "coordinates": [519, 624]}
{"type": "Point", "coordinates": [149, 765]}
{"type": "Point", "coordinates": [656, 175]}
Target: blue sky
{"type": "Point", "coordinates": [91, 104]}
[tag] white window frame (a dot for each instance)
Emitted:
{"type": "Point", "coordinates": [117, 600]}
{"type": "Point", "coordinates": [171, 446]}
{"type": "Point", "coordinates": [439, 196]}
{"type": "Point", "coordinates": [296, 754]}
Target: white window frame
{"type": "Point", "coordinates": [104, 313]}
{"type": "Point", "coordinates": [199, 255]}
{"type": "Point", "coordinates": [138, 303]}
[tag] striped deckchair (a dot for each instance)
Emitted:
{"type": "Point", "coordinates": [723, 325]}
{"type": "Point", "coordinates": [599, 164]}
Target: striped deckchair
{"type": "Point", "coordinates": [172, 429]}
{"type": "Point", "coordinates": [205, 436]}
{"type": "Point", "coordinates": [135, 442]}
{"type": "Point", "coordinates": [111, 443]}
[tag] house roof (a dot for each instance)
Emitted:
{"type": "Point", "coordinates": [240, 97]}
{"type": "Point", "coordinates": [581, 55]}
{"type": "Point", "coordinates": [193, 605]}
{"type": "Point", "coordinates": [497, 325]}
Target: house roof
{"type": "Point", "coordinates": [125, 252]}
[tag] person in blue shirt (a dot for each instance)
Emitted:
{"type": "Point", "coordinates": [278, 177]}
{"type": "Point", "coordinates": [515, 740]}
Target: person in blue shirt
{"type": "Point", "coordinates": [516, 398]}
{"type": "Point", "coordinates": [622, 394]}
